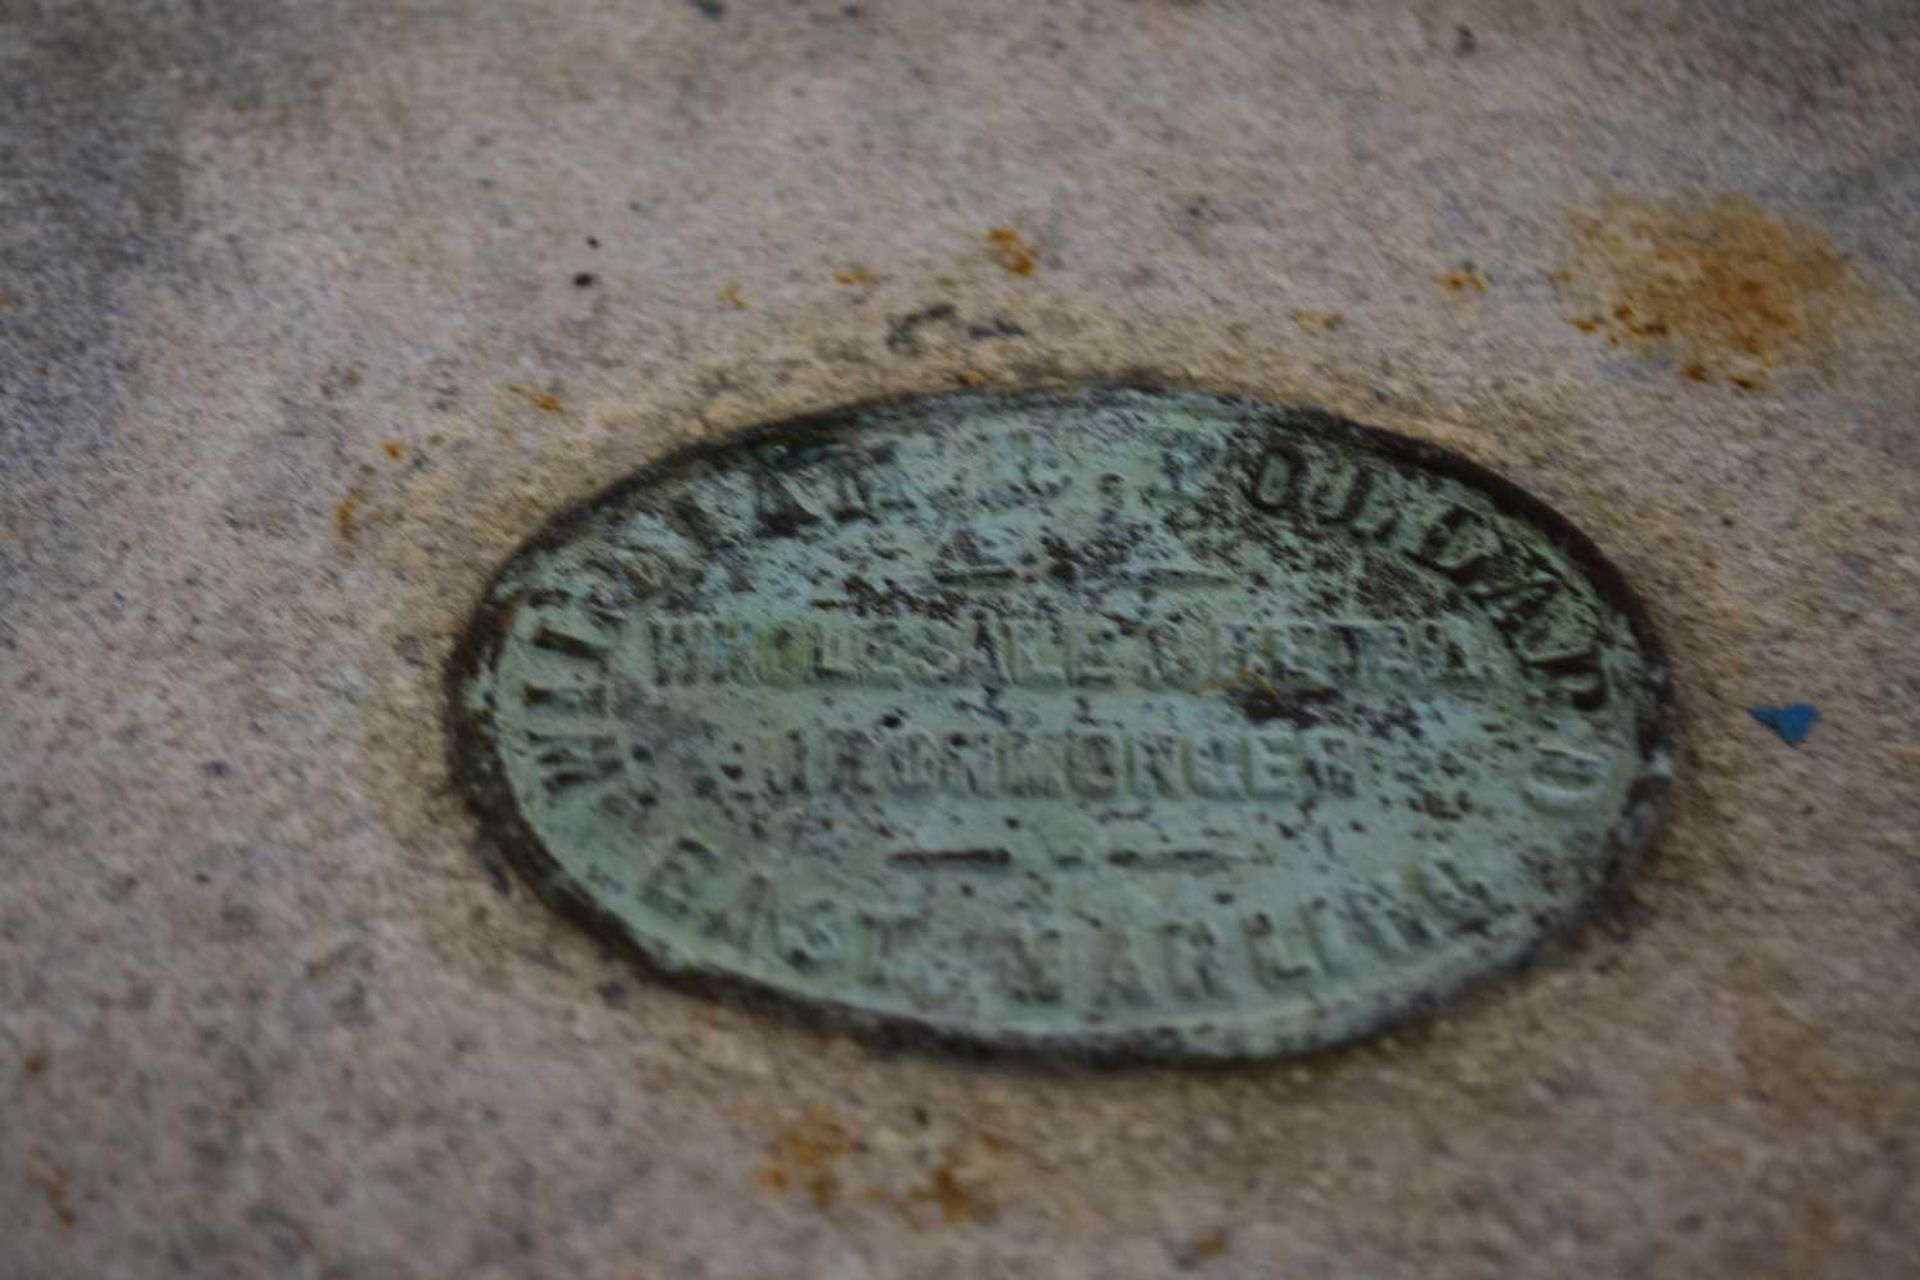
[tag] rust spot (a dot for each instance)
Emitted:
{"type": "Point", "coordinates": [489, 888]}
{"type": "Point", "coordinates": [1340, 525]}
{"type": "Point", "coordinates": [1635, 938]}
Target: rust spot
{"type": "Point", "coordinates": [969, 377]}
{"type": "Point", "coordinates": [819, 1156]}
{"type": "Point", "coordinates": [1204, 1247]}
{"type": "Point", "coordinates": [1014, 255]}
{"type": "Point", "coordinates": [1625, 317]}
{"type": "Point", "coordinates": [805, 1157]}
{"type": "Point", "coordinates": [539, 399]}
{"type": "Point", "coordinates": [946, 1194]}
{"type": "Point", "coordinates": [53, 1183]}
{"type": "Point", "coordinates": [731, 296]}
{"type": "Point", "coordinates": [1312, 321]}
{"type": "Point", "coordinates": [1210, 1245]}
{"type": "Point", "coordinates": [343, 516]}
{"type": "Point", "coordinates": [960, 1188]}
{"type": "Point", "coordinates": [1465, 280]}
{"type": "Point", "coordinates": [857, 275]}
{"type": "Point", "coordinates": [33, 1062]}
{"type": "Point", "coordinates": [1707, 284]}
{"type": "Point", "coordinates": [394, 450]}
{"type": "Point", "coordinates": [1787, 1065]}
{"type": "Point", "coordinates": [1785, 1061]}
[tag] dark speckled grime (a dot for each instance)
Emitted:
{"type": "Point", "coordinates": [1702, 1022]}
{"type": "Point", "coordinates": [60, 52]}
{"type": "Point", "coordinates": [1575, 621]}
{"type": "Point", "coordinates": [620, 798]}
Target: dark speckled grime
{"type": "Point", "coordinates": [1114, 723]}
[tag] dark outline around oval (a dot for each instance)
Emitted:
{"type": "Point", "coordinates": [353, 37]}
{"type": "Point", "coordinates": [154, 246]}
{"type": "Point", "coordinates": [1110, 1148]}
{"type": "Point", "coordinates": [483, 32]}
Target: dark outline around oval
{"type": "Point", "coordinates": [478, 775]}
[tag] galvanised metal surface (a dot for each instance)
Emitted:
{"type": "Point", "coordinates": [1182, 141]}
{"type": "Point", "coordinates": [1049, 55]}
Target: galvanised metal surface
{"type": "Point", "coordinates": [1115, 723]}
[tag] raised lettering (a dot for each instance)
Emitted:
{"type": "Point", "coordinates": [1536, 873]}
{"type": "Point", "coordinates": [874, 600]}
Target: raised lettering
{"type": "Point", "coordinates": [1276, 963]}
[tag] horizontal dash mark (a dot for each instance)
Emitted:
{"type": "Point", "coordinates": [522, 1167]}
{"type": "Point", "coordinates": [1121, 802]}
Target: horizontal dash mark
{"type": "Point", "coordinates": [928, 859]}
{"type": "Point", "coordinates": [985, 573]}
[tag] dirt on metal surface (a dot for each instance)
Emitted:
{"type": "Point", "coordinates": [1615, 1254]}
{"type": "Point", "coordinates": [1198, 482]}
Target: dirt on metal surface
{"type": "Point", "coordinates": [1110, 723]}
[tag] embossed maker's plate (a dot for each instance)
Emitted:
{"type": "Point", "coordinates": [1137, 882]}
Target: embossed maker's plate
{"type": "Point", "coordinates": [1114, 723]}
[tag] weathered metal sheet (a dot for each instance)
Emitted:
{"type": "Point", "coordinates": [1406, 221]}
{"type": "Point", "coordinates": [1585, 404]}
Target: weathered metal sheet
{"type": "Point", "coordinates": [1113, 723]}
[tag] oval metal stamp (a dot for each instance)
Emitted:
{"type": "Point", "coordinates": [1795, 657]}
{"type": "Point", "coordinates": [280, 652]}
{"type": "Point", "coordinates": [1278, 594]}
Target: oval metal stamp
{"type": "Point", "coordinates": [1113, 723]}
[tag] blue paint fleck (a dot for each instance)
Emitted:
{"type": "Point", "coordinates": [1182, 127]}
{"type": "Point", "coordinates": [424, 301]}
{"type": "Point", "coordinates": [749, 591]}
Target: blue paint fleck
{"type": "Point", "coordinates": [1792, 722]}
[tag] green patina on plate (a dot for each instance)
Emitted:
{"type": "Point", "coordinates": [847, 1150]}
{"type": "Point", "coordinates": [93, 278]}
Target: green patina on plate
{"type": "Point", "coordinates": [1116, 723]}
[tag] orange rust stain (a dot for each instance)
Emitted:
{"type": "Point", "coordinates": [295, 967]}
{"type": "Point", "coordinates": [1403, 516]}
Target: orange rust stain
{"type": "Point", "coordinates": [394, 450]}
{"type": "Point", "coordinates": [1719, 287]}
{"type": "Point", "coordinates": [1788, 1065]}
{"type": "Point", "coordinates": [969, 377]}
{"type": "Point", "coordinates": [33, 1062]}
{"type": "Point", "coordinates": [806, 1155]}
{"type": "Point", "coordinates": [731, 296]}
{"type": "Point", "coordinates": [344, 512]}
{"type": "Point", "coordinates": [1208, 1245]}
{"type": "Point", "coordinates": [1788, 1062]}
{"type": "Point", "coordinates": [820, 1157]}
{"type": "Point", "coordinates": [960, 1188]}
{"type": "Point", "coordinates": [1465, 280]}
{"type": "Point", "coordinates": [1167, 22]}
{"type": "Point", "coordinates": [1014, 255]}
{"type": "Point", "coordinates": [1625, 317]}
{"type": "Point", "coordinates": [1311, 321]}
{"type": "Point", "coordinates": [945, 1192]}
{"type": "Point", "coordinates": [857, 275]}
{"type": "Point", "coordinates": [52, 1181]}
{"type": "Point", "coordinates": [539, 399]}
